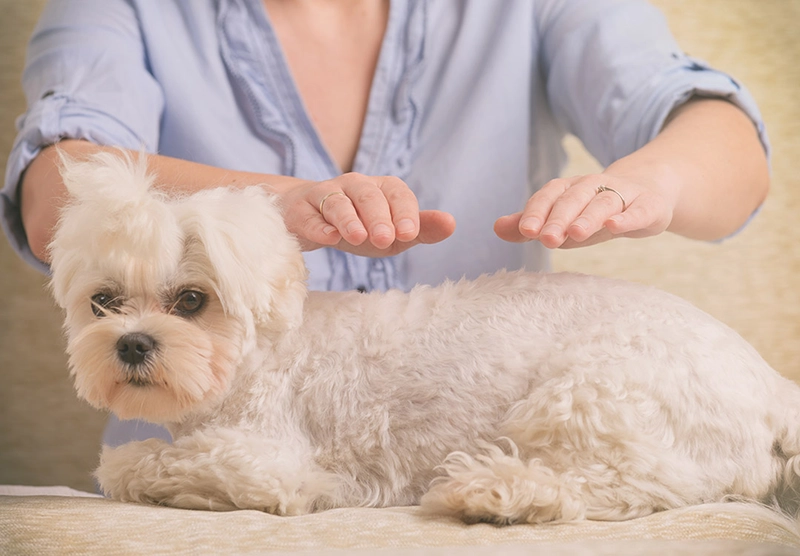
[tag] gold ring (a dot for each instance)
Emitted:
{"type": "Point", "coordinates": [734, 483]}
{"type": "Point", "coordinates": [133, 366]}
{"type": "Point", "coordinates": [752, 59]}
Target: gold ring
{"type": "Point", "coordinates": [325, 198]}
{"type": "Point", "coordinates": [621, 198]}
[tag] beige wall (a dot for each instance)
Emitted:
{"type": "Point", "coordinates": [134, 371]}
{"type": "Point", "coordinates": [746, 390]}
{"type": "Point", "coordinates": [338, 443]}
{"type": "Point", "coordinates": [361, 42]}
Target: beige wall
{"type": "Point", "coordinates": [48, 437]}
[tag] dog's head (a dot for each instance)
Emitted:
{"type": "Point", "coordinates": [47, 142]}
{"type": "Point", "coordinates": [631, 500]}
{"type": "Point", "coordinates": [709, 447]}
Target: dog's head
{"type": "Point", "coordinates": [164, 297]}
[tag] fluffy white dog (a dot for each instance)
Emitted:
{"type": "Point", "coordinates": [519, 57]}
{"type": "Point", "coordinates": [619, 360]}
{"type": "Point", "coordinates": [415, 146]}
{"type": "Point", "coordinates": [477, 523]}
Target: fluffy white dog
{"type": "Point", "coordinates": [517, 397]}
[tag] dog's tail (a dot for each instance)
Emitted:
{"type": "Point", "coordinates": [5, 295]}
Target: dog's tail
{"type": "Point", "coordinates": [788, 449]}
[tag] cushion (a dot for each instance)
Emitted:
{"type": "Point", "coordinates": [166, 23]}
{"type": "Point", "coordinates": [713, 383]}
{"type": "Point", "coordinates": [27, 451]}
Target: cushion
{"type": "Point", "coordinates": [93, 525]}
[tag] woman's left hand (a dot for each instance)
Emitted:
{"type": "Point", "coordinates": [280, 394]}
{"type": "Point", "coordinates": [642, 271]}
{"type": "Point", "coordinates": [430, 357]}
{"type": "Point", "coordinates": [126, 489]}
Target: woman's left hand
{"type": "Point", "coordinates": [584, 210]}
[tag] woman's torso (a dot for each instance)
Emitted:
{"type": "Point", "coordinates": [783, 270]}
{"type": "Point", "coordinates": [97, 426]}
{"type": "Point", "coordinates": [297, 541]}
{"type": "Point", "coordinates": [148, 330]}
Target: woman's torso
{"type": "Point", "coordinates": [449, 110]}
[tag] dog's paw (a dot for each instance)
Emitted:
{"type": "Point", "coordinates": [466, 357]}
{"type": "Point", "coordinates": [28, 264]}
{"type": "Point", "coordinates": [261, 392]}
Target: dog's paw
{"type": "Point", "coordinates": [495, 487]}
{"type": "Point", "coordinates": [126, 473]}
{"type": "Point", "coordinates": [215, 470]}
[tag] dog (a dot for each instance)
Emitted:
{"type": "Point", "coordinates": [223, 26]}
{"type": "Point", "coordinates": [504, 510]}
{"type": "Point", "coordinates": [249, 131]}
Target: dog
{"type": "Point", "coordinates": [514, 398]}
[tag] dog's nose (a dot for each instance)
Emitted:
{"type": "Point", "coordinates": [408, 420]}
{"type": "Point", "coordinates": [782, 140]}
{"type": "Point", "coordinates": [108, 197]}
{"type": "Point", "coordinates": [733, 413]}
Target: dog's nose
{"type": "Point", "coordinates": [133, 348]}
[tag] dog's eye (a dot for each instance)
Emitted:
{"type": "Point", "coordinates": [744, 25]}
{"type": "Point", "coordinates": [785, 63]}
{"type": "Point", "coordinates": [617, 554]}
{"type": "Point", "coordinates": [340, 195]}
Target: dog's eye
{"type": "Point", "coordinates": [189, 302]}
{"type": "Point", "coordinates": [102, 303]}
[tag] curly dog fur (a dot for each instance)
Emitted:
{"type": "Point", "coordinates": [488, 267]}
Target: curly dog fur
{"type": "Point", "coordinates": [517, 397]}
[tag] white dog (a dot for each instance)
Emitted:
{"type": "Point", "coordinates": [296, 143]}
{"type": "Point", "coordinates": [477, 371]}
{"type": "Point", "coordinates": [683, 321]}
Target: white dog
{"type": "Point", "coordinates": [517, 397]}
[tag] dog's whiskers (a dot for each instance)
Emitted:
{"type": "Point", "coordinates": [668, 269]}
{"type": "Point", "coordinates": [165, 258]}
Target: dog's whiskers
{"type": "Point", "coordinates": [139, 375]}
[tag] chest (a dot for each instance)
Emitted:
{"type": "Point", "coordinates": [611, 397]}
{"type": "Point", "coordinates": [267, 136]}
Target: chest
{"type": "Point", "coordinates": [331, 57]}
{"type": "Point", "coordinates": [448, 113]}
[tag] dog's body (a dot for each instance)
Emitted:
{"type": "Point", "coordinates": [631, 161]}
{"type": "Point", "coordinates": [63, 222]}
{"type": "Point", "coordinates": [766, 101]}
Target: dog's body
{"type": "Point", "coordinates": [522, 397]}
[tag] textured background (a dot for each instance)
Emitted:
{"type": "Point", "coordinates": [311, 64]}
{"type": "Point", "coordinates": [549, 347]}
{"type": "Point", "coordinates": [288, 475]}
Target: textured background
{"type": "Point", "coordinates": [47, 436]}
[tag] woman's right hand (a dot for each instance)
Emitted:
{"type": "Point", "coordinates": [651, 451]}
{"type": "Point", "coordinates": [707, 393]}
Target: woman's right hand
{"type": "Point", "coordinates": [365, 215]}
{"type": "Point", "coordinates": [373, 216]}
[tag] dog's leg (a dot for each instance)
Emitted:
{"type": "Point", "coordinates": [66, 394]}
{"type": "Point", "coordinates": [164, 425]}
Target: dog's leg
{"type": "Point", "coordinates": [217, 470]}
{"type": "Point", "coordinates": [579, 450]}
{"type": "Point", "coordinates": [498, 487]}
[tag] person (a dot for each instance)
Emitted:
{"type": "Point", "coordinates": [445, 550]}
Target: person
{"type": "Point", "coordinates": [381, 124]}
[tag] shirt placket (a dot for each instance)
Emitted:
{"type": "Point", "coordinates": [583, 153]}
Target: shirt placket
{"type": "Point", "coordinates": [252, 52]}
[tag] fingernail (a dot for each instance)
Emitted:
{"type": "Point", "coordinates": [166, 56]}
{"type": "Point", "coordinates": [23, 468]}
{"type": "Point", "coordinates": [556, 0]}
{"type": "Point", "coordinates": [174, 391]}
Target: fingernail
{"type": "Point", "coordinates": [581, 223]}
{"type": "Point", "coordinates": [530, 224]}
{"type": "Point", "coordinates": [354, 227]}
{"type": "Point", "coordinates": [381, 230]}
{"type": "Point", "coordinates": [616, 219]}
{"type": "Point", "coordinates": [551, 230]}
{"type": "Point", "coordinates": [328, 230]}
{"type": "Point", "coordinates": [405, 226]}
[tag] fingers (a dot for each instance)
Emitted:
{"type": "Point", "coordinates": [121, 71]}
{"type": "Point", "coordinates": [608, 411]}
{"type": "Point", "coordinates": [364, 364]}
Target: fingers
{"type": "Point", "coordinates": [604, 204]}
{"type": "Point", "coordinates": [586, 210]}
{"type": "Point", "coordinates": [577, 213]}
{"type": "Point", "coordinates": [378, 209]}
{"type": "Point", "coordinates": [434, 227]}
{"type": "Point", "coordinates": [547, 214]}
{"type": "Point", "coordinates": [365, 215]}
{"type": "Point", "coordinates": [405, 214]}
{"type": "Point", "coordinates": [537, 214]}
{"type": "Point", "coordinates": [338, 216]}
{"type": "Point", "coordinates": [508, 228]}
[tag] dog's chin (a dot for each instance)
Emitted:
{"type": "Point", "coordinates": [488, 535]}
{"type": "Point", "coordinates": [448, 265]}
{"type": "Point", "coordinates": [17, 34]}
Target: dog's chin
{"type": "Point", "coordinates": [188, 371]}
{"type": "Point", "coordinates": [154, 402]}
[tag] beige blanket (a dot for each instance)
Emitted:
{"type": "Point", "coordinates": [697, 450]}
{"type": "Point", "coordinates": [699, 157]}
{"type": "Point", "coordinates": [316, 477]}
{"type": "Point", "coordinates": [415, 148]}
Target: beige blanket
{"type": "Point", "coordinates": [81, 525]}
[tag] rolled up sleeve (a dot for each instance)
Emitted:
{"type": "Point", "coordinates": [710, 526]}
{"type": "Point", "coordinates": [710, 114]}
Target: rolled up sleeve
{"type": "Point", "coordinates": [614, 73]}
{"type": "Point", "coordinates": [86, 77]}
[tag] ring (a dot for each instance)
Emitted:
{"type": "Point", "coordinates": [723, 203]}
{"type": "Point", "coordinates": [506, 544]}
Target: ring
{"type": "Point", "coordinates": [621, 198]}
{"type": "Point", "coordinates": [325, 198]}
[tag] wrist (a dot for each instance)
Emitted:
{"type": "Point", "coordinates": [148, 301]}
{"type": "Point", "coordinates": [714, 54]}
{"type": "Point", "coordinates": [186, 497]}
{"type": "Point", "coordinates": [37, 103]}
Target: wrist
{"type": "Point", "coordinates": [661, 178]}
{"type": "Point", "coordinates": [275, 184]}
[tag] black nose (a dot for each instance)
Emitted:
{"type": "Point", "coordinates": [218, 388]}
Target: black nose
{"type": "Point", "coordinates": [133, 348]}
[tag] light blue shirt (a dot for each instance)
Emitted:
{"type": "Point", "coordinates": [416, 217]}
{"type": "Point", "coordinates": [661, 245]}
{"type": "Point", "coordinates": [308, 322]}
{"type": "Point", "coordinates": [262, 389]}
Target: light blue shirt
{"type": "Point", "coordinates": [469, 104]}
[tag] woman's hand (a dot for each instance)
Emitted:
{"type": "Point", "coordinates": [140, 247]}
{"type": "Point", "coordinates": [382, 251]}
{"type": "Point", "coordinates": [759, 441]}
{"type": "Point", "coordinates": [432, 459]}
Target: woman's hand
{"type": "Point", "coordinates": [701, 177]}
{"type": "Point", "coordinates": [364, 215]}
{"type": "Point", "coordinates": [584, 210]}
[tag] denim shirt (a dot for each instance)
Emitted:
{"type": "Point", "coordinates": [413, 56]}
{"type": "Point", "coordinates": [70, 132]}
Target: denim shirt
{"type": "Point", "coordinates": [469, 104]}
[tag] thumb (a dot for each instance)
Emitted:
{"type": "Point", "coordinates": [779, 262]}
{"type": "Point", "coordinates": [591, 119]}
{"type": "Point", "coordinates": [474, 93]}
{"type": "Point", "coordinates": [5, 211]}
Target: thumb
{"type": "Point", "coordinates": [435, 226]}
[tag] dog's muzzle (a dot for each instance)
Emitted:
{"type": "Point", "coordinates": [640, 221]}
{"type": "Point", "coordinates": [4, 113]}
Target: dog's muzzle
{"type": "Point", "coordinates": [134, 348]}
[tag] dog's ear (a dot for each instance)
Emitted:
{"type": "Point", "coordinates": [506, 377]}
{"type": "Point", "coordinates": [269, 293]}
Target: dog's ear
{"type": "Point", "coordinates": [111, 219]}
{"type": "Point", "coordinates": [255, 262]}
{"type": "Point", "coordinates": [118, 174]}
